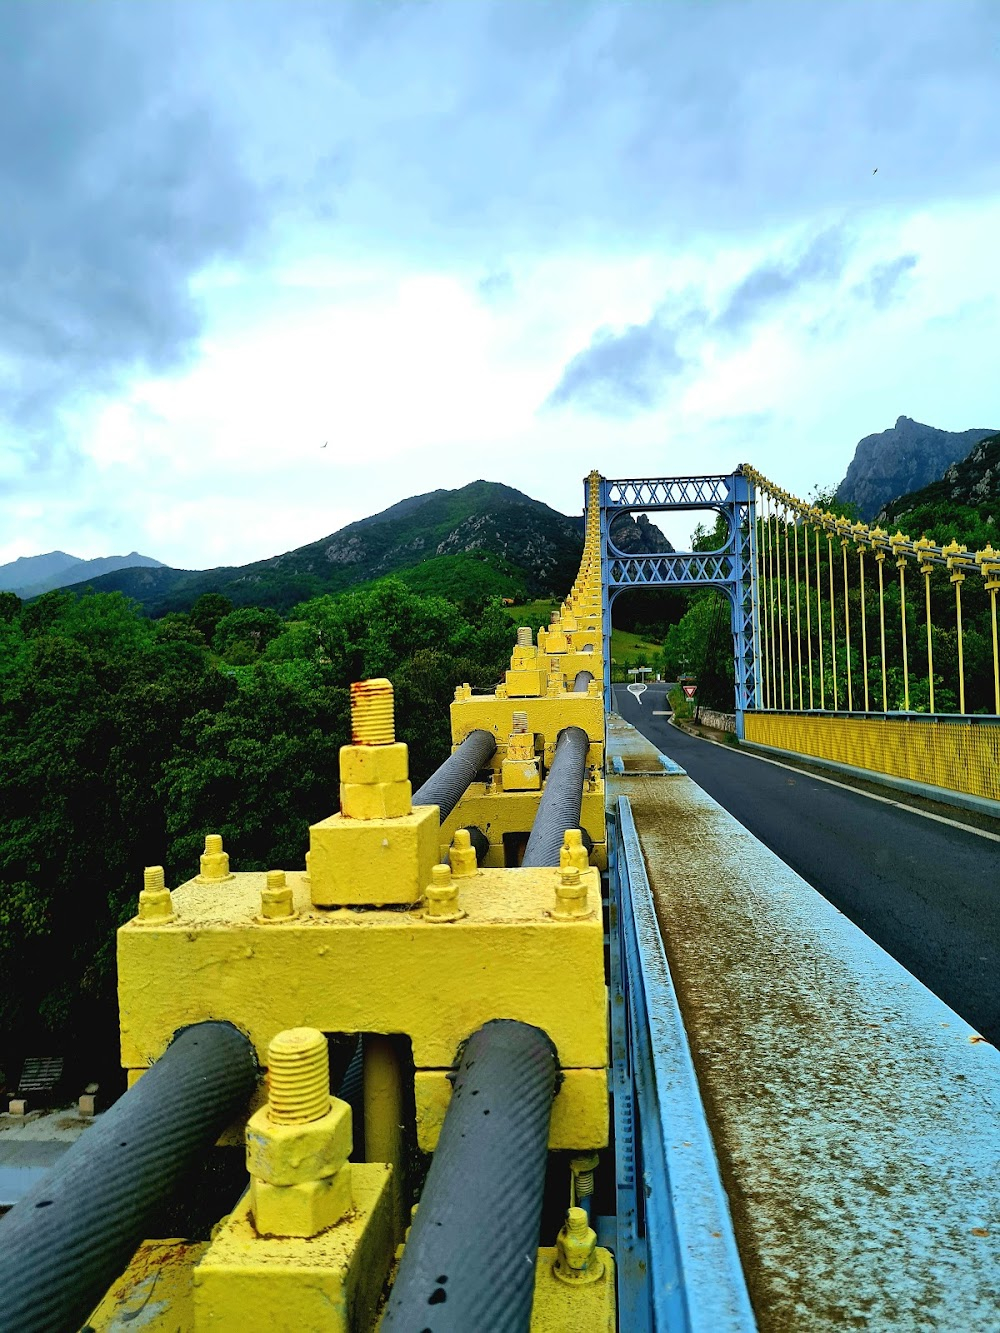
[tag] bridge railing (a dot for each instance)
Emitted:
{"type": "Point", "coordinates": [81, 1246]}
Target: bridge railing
{"type": "Point", "coordinates": [875, 650]}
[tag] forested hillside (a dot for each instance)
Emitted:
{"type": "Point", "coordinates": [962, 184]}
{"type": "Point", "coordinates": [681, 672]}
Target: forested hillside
{"type": "Point", "coordinates": [123, 741]}
{"type": "Point", "coordinates": [506, 543]}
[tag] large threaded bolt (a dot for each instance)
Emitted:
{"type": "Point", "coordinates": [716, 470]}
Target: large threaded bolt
{"type": "Point", "coordinates": [298, 1077]}
{"type": "Point", "coordinates": [524, 636]}
{"type": "Point", "coordinates": [155, 903]}
{"type": "Point", "coordinates": [372, 716]}
{"type": "Point", "coordinates": [519, 722]}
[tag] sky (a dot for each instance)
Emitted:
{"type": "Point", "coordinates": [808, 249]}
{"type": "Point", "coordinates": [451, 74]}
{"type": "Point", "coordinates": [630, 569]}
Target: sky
{"type": "Point", "coordinates": [269, 267]}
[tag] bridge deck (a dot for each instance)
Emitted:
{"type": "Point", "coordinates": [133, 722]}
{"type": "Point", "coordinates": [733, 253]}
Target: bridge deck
{"type": "Point", "coordinates": [856, 1117]}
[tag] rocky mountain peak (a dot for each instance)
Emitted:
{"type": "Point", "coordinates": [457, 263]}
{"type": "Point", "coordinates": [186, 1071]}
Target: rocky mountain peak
{"type": "Point", "coordinates": [904, 458]}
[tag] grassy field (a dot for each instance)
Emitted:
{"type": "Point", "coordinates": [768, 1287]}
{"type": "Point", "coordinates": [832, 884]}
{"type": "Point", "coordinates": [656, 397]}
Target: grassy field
{"type": "Point", "coordinates": [623, 643]}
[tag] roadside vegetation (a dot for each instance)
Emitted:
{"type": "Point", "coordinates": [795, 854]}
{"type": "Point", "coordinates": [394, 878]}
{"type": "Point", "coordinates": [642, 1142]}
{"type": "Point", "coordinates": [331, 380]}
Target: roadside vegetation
{"type": "Point", "coordinates": [124, 740]}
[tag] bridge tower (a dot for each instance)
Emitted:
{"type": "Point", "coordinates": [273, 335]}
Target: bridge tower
{"type": "Point", "coordinates": [731, 569]}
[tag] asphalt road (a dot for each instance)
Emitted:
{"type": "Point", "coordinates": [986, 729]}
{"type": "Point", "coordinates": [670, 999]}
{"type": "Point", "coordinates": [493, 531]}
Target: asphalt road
{"type": "Point", "coordinates": [927, 892]}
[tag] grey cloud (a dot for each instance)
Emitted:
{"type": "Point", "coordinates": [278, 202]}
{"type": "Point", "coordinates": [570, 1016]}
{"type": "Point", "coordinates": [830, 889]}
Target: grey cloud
{"type": "Point", "coordinates": [627, 372]}
{"type": "Point", "coordinates": [119, 180]}
{"type": "Point", "coordinates": [496, 285]}
{"type": "Point", "coordinates": [770, 284]}
{"type": "Point", "coordinates": [882, 284]}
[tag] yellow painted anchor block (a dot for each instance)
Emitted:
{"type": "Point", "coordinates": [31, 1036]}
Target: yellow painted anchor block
{"type": "Point", "coordinates": [331, 1281]}
{"type": "Point", "coordinates": [387, 971]}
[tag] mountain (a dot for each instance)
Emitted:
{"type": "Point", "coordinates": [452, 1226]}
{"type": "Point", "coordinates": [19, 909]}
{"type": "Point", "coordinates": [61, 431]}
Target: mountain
{"type": "Point", "coordinates": [902, 459]}
{"type": "Point", "coordinates": [964, 504]}
{"type": "Point", "coordinates": [637, 536]}
{"type": "Point", "coordinates": [482, 537]}
{"type": "Point", "coordinates": [31, 575]}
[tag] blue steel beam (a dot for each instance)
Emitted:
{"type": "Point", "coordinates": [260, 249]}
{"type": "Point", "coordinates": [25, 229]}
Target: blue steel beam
{"type": "Point", "coordinates": [678, 1223]}
{"type": "Point", "coordinates": [732, 569]}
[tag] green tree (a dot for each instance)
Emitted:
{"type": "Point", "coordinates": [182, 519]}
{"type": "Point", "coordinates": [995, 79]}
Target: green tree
{"type": "Point", "coordinates": [207, 611]}
{"type": "Point", "coordinates": [250, 629]}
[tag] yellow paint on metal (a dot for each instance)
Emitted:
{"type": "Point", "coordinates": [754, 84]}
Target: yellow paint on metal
{"type": "Point", "coordinates": [582, 1308]}
{"type": "Point", "coordinates": [214, 861]}
{"type": "Point", "coordinates": [257, 1284]}
{"type": "Point", "coordinates": [369, 971]}
{"type": "Point", "coordinates": [373, 861]}
{"type": "Point", "coordinates": [462, 855]}
{"type": "Point", "coordinates": [155, 902]}
{"type": "Point", "coordinates": [276, 898]}
{"type": "Point", "coordinates": [497, 812]}
{"type": "Point", "coordinates": [573, 852]}
{"type": "Point", "coordinates": [298, 1145]}
{"type": "Point", "coordinates": [442, 896]}
{"type": "Point", "coordinates": [577, 1261]}
{"type": "Point", "coordinates": [385, 1117]}
{"type": "Point", "coordinates": [155, 1294]}
{"type": "Point", "coordinates": [546, 717]}
{"type": "Point", "coordinates": [579, 1112]}
{"type": "Point", "coordinates": [962, 755]}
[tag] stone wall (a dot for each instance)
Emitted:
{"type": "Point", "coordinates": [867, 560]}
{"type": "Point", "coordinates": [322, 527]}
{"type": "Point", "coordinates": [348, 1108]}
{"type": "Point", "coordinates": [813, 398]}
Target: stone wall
{"type": "Point", "coordinates": [720, 721]}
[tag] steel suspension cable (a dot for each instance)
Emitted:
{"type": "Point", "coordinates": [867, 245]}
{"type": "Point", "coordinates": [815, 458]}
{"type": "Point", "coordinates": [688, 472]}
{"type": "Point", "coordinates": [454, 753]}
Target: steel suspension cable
{"type": "Point", "coordinates": [958, 578]}
{"type": "Point", "coordinates": [762, 590]}
{"type": "Point", "coordinates": [864, 622]}
{"type": "Point", "coordinates": [847, 628]}
{"type": "Point", "coordinates": [930, 643]}
{"type": "Point", "coordinates": [991, 588]}
{"type": "Point", "coordinates": [833, 619]}
{"type": "Point", "coordinates": [809, 631]}
{"type": "Point", "coordinates": [798, 613]}
{"type": "Point", "coordinates": [781, 629]}
{"type": "Point", "coordinates": [879, 562]}
{"type": "Point", "coordinates": [788, 609]}
{"type": "Point", "coordinates": [901, 566]}
{"type": "Point", "coordinates": [819, 629]}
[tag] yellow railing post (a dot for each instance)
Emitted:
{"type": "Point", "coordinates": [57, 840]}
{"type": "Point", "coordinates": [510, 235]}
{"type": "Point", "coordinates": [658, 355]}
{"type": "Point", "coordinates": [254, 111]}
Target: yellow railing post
{"type": "Point", "coordinates": [819, 628]}
{"type": "Point", "coordinates": [897, 542]}
{"type": "Point", "coordinates": [925, 568]}
{"type": "Point", "coordinates": [798, 614]}
{"type": "Point", "coordinates": [809, 628]}
{"type": "Point", "coordinates": [833, 619]}
{"type": "Point", "coordinates": [954, 553]}
{"type": "Point", "coordinates": [864, 619]}
{"type": "Point", "coordinates": [781, 632]}
{"type": "Point", "coordinates": [988, 561]}
{"type": "Point", "coordinates": [879, 535]}
{"type": "Point", "coordinates": [847, 624]}
{"type": "Point", "coordinates": [788, 610]}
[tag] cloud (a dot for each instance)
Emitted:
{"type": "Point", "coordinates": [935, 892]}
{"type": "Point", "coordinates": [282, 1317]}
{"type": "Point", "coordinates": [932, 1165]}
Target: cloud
{"type": "Point", "coordinates": [118, 182]}
{"type": "Point", "coordinates": [885, 281]}
{"type": "Point", "coordinates": [776, 281]}
{"type": "Point", "coordinates": [497, 285]}
{"type": "Point", "coordinates": [623, 373]}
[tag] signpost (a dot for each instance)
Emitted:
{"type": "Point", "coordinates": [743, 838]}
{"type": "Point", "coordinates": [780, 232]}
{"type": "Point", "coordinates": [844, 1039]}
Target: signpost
{"type": "Point", "coordinates": [690, 690]}
{"type": "Point", "coordinates": [638, 687]}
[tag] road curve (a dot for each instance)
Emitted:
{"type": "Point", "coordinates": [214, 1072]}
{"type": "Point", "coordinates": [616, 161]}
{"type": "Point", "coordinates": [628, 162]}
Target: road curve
{"type": "Point", "coordinates": [927, 892]}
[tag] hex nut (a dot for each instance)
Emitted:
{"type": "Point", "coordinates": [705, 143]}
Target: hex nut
{"type": "Point", "coordinates": [284, 1155]}
{"type": "Point", "coordinates": [301, 1210]}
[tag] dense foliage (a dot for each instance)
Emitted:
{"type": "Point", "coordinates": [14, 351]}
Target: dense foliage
{"type": "Point", "coordinates": [124, 740]}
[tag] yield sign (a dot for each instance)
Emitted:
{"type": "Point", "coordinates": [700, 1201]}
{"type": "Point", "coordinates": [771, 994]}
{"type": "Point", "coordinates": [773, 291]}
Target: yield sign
{"type": "Point", "coordinates": [689, 690]}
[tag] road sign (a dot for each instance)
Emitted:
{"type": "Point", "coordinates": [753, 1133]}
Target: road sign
{"type": "Point", "coordinates": [690, 690]}
{"type": "Point", "coordinates": [637, 690]}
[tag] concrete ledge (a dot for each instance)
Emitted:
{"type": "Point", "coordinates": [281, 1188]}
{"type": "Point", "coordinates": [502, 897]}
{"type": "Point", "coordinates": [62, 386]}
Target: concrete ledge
{"type": "Point", "coordinates": [978, 804]}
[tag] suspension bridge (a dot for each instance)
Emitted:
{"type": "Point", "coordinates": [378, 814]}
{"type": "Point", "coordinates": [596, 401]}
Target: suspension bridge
{"type": "Point", "coordinates": [554, 1042]}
